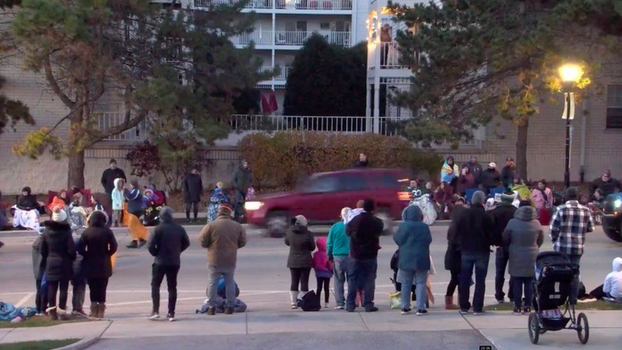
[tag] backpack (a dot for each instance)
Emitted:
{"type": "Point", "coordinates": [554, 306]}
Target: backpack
{"type": "Point", "coordinates": [310, 302]}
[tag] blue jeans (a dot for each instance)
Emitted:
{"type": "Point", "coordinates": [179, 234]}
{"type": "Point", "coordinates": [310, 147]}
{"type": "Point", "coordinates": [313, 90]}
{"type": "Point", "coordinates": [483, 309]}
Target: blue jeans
{"type": "Point", "coordinates": [574, 291]}
{"type": "Point", "coordinates": [517, 284]}
{"type": "Point", "coordinates": [362, 275]}
{"type": "Point", "coordinates": [408, 278]}
{"type": "Point", "coordinates": [340, 270]}
{"type": "Point", "coordinates": [479, 261]}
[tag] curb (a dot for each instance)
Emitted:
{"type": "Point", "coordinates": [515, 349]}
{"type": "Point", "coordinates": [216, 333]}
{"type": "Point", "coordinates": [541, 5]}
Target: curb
{"type": "Point", "coordinates": [86, 342]}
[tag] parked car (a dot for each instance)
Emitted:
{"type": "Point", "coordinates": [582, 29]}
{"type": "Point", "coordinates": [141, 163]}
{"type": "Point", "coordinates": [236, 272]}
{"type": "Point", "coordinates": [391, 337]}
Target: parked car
{"type": "Point", "coordinates": [321, 196]}
{"type": "Point", "coordinates": [612, 216]}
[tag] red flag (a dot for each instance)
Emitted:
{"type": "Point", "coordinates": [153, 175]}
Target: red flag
{"type": "Point", "coordinates": [274, 106]}
{"type": "Point", "coordinates": [265, 106]}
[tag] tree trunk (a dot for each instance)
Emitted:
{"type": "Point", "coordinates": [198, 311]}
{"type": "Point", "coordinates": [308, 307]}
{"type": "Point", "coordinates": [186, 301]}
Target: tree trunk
{"type": "Point", "coordinates": [76, 169]}
{"type": "Point", "coordinates": [521, 149]}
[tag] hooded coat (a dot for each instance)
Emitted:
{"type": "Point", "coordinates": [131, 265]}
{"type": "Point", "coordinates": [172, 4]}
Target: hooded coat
{"type": "Point", "coordinates": [413, 239]}
{"type": "Point", "coordinates": [613, 281]}
{"type": "Point", "coordinates": [301, 244]}
{"type": "Point", "coordinates": [453, 255]}
{"type": "Point", "coordinates": [168, 240]}
{"type": "Point", "coordinates": [193, 188]}
{"type": "Point", "coordinates": [117, 196]}
{"type": "Point", "coordinates": [449, 172]}
{"type": "Point", "coordinates": [97, 244]}
{"type": "Point", "coordinates": [323, 268]}
{"type": "Point", "coordinates": [58, 251]}
{"type": "Point", "coordinates": [523, 235]}
{"type": "Point", "coordinates": [27, 202]}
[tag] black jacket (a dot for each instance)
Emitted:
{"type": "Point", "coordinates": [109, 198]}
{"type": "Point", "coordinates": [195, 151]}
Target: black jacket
{"type": "Point", "coordinates": [97, 245]}
{"type": "Point", "coordinates": [501, 215]}
{"type": "Point", "coordinates": [301, 244]}
{"type": "Point", "coordinates": [453, 255]}
{"type": "Point", "coordinates": [109, 176]}
{"type": "Point", "coordinates": [28, 202]}
{"type": "Point", "coordinates": [193, 188]}
{"type": "Point", "coordinates": [364, 232]}
{"type": "Point", "coordinates": [243, 179]}
{"type": "Point", "coordinates": [490, 178]}
{"type": "Point", "coordinates": [168, 241]}
{"type": "Point", "coordinates": [507, 176]}
{"type": "Point", "coordinates": [476, 170]}
{"type": "Point", "coordinates": [58, 251]}
{"type": "Point", "coordinates": [38, 264]}
{"type": "Point", "coordinates": [474, 230]}
{"type": "Point", "coordinates": [359, 164]}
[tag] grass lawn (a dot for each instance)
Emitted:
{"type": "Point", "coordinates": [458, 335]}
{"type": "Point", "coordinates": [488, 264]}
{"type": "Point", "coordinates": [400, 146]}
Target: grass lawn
{"type": "Point", "coordinates": [39, 345]}
{"type": "Point", "coordinates": [41, 322]}
{"type": "Point", "coordinates": [597, 305]}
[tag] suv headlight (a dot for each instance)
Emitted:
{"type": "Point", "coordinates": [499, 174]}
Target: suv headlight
{"type": "Point", "coordinates": [253, 205]}
{"type": "Point", "coordinates": [617, 203]}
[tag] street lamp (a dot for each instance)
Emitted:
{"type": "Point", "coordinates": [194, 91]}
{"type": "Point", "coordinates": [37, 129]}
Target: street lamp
{"type": "Point", "coordinates": [571, 74]}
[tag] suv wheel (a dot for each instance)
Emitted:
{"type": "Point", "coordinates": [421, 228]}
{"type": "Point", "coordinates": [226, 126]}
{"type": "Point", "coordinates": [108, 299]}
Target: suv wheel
{"type": "Point", "coordinates": [277, 224]}
{"type": "Point", "coordinates": [388, 222]}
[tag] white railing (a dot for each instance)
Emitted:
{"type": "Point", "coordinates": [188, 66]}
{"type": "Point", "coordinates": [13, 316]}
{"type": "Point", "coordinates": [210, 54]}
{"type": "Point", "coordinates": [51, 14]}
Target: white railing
{"type": "Point", "coordinates": [261, 37]}
{"type": "Point", "coordinates": [285, 70]}
{"type": "Point", "coordinates": [390, 56]}
{"type": "Point", "coordinates": [107, 120]}
{"type": "Point", "coordinates": [347, 124]}
{"type": "Point", "coordinates": [298, 38]}
{"type": "Point", "coordinates": [314, 4]}
{"type": "Point", "coordinates": [252, 4]}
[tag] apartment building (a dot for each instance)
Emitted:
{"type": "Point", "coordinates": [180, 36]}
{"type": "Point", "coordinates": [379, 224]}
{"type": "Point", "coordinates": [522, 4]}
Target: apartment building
{"type": "Point", "coordinates": [282, 27]}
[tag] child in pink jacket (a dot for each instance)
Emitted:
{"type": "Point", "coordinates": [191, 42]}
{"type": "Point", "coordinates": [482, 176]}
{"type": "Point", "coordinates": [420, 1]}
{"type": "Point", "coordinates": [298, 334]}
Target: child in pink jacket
{"type": "Point", "coordinates": [323, 270]}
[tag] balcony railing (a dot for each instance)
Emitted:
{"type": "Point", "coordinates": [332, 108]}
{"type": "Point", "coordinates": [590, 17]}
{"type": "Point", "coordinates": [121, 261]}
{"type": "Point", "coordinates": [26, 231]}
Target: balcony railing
{"type": "Point", "coordinates": [262, 37]}
{"type": "Point", "coordinates": [390, 56]}
{"type": "Point", "coordinates": [107, 120]}
{"type": "Point", "coordinates": [298, 38]}
{"type": "Point", "coordinates": [314, 4]}
{"type": "Point", "coordinates": [325, 5]}
{"type": "Point", "coordinates": [285, 70]}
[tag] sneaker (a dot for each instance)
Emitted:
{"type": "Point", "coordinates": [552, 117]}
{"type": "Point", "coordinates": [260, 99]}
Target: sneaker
{"type": "Point", "coordinates": [326, 305]}
{"type": "Point", "coordinates": [133, 244]}
{"type": "Point", "coordinates": [422, 312]}
{"type": "Point", "coordinates": [211, 311]}
{"type": "Point", "coordinates": [141, 243]}
{"type": "Point", "coordinates": [350, 310]}
{"type": "Point", "coordinates": [154, 316]}
{"type": "Point", "coordinates": [479, 313]}
{"type": "Point", "coordinates": [516, 311]}
{"type": "Point", "coordinates": [371, 309]}
{"type": "Point", "coordinates": [526, 311]}
{"type": "Point", "coordinates": [464, 312]}
{"type": "Point", "coordinates": [79, 313]}
{"type": "Point", "coordinates": [405, 311]}
{"type": "Point", "coordinates": [339, 307]}
{"type": "Point", "coordinates": [587, 300]}
{"type": "Point", "coordinates": [170, 317]}
{"type": "Point", "coordinates": [188, 221]}
{"type": "Point", "coordinates": [39, 314]}
{"type": "Point", "coordinates": [229, 310]}
{"type": "Point", "coordinates": [294, 306]}
{"type": "Point", "coordinates": [501, 301]}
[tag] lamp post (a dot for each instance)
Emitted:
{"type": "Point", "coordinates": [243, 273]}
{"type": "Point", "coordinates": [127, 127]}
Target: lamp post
{"type": "Point", "coordinates": [570, 75]}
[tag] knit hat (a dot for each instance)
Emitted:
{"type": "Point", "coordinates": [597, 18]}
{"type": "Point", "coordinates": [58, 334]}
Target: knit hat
{"type": "Point", "coordinates": [492, 165]}
{"type": "Point", "coordinates": [507, 197]}
{"type": "Point", "coordinates": [224, 209]}
{"type": "Point", "coordinates": [300, 220]}
{"type": "Point", "coordinates": [59, 215]}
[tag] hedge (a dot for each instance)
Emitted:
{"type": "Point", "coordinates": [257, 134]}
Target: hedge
{"type": "Point", "coordinates": [283, 158]}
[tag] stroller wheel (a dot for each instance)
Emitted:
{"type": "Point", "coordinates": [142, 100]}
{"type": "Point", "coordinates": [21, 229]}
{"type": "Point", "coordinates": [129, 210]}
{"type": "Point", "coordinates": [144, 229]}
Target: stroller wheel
{"type": "Point", "coordinates": [583, 328]}
{"type": "Point", "coordinates": [534, 328]}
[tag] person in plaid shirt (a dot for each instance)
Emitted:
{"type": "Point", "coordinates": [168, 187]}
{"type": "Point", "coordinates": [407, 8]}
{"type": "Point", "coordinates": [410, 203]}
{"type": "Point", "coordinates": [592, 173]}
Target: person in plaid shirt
{"type": "Point", "coordinates": [568, 228]}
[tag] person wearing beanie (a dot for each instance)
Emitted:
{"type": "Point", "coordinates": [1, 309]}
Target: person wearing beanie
{"type": "Point", "coordinates": [97, 245]}
{"type": "Point", "coordinates": [501, 215]}
{"type": "Point", "coordinates": [299, 261]}
{"type": "Point", "coordinates": [27, 211]}
{"type": "Point", "coordinates": [166, 244]}
{"type": "Point", "coordinates": [364, 232]}
{"type": "Point", "coordinates": [490, 178]}
{"type": "Point", "coordinates": [58, 251]}
{"type": "Point", "coordinates": [474, 230]}
{"type": "Point", "coordinates": [111, 174]}
{"type": "Point", "coordinates": [222, 238]}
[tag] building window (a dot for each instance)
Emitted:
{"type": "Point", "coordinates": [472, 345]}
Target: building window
{"type": "Point", "coordinates": [614, 107]}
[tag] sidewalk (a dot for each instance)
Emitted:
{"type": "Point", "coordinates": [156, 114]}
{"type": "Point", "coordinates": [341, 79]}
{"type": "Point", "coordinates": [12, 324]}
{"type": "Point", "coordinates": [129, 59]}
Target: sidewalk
{"type": "Point", "coordinates": [501, 329]}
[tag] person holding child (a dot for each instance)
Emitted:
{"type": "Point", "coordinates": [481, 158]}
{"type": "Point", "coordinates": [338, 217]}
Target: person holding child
{"type": "Point", "coordinates": [301, 244]}
{"type": "Point", "coordinates": [413, 238]}
{"type": "Point", "coordinates": [323, 270]}
{"type": "Point", "coordinates": [135, 207]}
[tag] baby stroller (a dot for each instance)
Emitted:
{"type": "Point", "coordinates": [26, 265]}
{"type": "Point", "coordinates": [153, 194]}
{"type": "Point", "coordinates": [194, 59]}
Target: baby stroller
{"type": "Point", "coordinates": [554, 276]}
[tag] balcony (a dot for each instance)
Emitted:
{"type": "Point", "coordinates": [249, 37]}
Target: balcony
{"type": "Point", "coordinates": [298, 38]}
{"type": "Point", "coordinates": [263, 37]}
{"type": "Point", "coordinates": [285, 70]}
{"type": "Point", "coordinates": [252, 4]}
{"type": "Point", "coordinates": [106, 120]}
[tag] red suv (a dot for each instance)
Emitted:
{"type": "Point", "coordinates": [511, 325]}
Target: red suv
{"type": "Point", "coordinates": [321, 197]}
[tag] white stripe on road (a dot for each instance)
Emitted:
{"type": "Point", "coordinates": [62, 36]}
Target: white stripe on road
{"type": "Point", "coordinates": [24, 299]}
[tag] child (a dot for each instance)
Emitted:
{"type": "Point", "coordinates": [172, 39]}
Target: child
{"type": "Point", "coordinates": [217, 198]}
{"type": "Point", "coordinates": [152, 209]}
{"type": "Point", "coordinates": [77, 209]}
{"type": "Point", "coordinates": [117, 201]}
{"type": "Point", "coordinates": [323, 270]}
{"type": "Point", "coordinates": [38, 267]}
